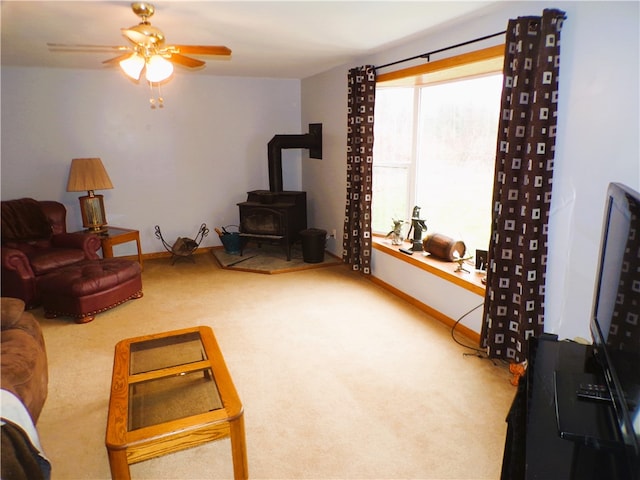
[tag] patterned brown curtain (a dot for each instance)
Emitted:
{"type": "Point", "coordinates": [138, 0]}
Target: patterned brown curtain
{"type": "Point", "coordinates": [514, 301]}
{"type": "Point", "coordinates": [357, 222]}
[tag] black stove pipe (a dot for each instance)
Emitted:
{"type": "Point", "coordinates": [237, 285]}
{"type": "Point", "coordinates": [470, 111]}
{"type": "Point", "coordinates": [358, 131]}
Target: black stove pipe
{"type": "Point", "coordinates": [311, 141]}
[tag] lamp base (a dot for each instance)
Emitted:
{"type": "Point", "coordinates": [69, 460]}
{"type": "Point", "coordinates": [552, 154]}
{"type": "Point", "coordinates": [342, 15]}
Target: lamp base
{"type": "Point", "coordinates": [92, 208]}
{"type": "Point", "coordinates": [98, 230]}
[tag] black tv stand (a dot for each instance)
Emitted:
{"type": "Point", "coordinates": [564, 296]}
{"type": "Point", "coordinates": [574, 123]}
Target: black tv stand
{"type": "Point", "coordinates": [534, 448]}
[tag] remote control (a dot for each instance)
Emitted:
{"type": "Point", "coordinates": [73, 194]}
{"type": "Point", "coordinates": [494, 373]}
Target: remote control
{"type": "Point", "coordinates": [594, 392]}
{"type": "Point", "coordinates": [404, 250]}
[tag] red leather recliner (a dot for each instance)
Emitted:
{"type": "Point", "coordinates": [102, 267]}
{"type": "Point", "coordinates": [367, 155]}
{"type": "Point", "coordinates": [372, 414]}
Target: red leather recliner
{"type": "Point", "coordinates": [35, 242]}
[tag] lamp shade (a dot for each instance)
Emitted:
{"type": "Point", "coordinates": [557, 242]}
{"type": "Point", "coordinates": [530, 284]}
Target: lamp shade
{"type": "Point", "coordinates": [158, 69]}
{"type": "Point", "coordinates": [87, 174]}
{"type": "Point", "coordinates": [133, 66]}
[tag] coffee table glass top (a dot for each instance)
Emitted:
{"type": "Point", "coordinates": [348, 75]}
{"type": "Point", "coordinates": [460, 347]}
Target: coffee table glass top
{"type": "Point", "coordinates": [182, 392]}
{"type": "Point", "coordinates": [164, 352]}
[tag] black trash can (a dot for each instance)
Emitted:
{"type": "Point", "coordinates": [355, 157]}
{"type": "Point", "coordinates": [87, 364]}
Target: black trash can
{"type": "Point", "coordinates": [313, 243]}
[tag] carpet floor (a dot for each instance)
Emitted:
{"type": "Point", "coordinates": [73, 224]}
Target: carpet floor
{"type": "Point", "coordinates": [339, 379]}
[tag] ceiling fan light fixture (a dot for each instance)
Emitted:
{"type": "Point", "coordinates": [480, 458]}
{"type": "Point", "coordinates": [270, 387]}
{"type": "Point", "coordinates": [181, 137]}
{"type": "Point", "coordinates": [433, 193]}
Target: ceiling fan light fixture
{"type": "Point", "coordinates": [158, 69]}
{"type": "Point", "coordinates": [133, 66]}
{"type": "Point", "coordinates": [147, 51]}
{"type": "Point", "coordinates": [144, 34]}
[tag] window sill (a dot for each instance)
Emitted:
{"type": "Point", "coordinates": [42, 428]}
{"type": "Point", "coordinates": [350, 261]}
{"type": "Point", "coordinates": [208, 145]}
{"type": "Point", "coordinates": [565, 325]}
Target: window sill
{"type": "Point", "coordinates": [441, 268]}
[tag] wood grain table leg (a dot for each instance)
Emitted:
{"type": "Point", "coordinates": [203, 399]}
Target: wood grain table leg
{"type": "Point", "coordinates": [139, 250]}
{"type": "Point", "coordinates": [239, 448]}
{"type": "Point", "coordinates": [118, 465]}
{"type": "Point", "coordinates": [107, 249]}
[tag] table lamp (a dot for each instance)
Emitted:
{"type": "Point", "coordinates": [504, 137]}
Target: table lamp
{"type": "Point", "coordinates": [89, 174]}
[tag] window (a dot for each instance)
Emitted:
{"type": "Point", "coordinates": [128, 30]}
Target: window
{"type": "Point", "coordinates": [435, 143]}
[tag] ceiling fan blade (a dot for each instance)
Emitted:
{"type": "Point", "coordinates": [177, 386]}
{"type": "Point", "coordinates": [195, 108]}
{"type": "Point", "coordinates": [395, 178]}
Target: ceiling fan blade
{"type": "Point", "coordinates": [185, 61]}
{"type": "Point", "coordinates": [76, 47]}
{"type": "Point", "coordinates": [203, 49]}
{"type": "Point", "coordinates": [118, 59]}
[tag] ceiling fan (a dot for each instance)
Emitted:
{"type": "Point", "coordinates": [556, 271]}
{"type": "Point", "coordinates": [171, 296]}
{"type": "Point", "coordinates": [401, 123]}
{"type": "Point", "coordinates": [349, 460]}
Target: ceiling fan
{"type": "Point", "coordinates": [147, 49]}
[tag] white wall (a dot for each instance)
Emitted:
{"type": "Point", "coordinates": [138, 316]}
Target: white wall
{"type": "Point", "coordinates": [325, 181]}
{"type": "Point", "coordinates": [597, 143]}
{"type": "Point", "coordinates": [178, 167]}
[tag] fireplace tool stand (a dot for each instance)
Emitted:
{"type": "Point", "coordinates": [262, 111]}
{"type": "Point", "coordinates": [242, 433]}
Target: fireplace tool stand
{"type": "Point", "coordinates": [183, 247]}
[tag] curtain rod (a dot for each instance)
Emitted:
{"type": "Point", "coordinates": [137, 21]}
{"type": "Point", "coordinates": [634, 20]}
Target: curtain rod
{"type": "Point", "coordinates": [428, 54]}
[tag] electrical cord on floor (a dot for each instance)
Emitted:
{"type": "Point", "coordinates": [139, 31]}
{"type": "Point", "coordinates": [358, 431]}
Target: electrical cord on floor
{"type": "Point", "coordinates": [477, 352]}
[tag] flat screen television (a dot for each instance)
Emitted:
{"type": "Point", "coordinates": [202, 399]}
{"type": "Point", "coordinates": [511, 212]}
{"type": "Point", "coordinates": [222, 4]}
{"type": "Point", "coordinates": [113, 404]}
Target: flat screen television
{"type": "Point", "coordinates": [615, 320]}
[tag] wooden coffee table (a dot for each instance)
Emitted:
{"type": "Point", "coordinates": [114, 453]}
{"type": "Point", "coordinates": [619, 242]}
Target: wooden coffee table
{"type": "Point", "coordinates": [171, 391]}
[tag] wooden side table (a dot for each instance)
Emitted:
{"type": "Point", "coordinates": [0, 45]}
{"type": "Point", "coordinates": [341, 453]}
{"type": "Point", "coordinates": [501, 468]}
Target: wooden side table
{"type": "Point", "coordinates": [115, 236]}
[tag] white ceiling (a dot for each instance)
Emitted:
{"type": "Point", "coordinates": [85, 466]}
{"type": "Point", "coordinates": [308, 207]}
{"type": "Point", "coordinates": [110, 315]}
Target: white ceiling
{"type": "Point", "coordinates": [290, 39]}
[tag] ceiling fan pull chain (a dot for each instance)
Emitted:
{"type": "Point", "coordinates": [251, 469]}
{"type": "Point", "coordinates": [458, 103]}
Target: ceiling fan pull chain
{"type": "Point", "coordinates": [152, 100]}
{"type": "Point", "coordinates": [159, 99]}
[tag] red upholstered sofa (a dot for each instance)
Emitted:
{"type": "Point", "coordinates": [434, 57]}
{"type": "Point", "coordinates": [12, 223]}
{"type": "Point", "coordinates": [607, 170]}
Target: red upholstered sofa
{"type": "Point", "coordinates": [35, 242]}
{"type": "Point", "coordinates": [24, 369]}
{"type": "Point", "coordinates": [24, 380]}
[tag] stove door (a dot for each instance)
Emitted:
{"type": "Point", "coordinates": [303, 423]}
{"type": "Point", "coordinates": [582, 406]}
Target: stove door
{"type": "Point", "coordinates": [262, 221]}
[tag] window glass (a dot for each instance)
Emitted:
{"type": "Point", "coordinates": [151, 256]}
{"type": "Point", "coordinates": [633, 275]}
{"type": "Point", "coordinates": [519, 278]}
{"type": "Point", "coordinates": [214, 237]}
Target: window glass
{"type": "Point", "coordinates": [458, 127]}
{"type": "Point", "coordinates": [434, 147]}
{"type": "Point", "coordinates": [393, 156]}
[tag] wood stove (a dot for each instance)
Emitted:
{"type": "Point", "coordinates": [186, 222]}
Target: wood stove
{"type": "Point", "coordinates": [276, 215]}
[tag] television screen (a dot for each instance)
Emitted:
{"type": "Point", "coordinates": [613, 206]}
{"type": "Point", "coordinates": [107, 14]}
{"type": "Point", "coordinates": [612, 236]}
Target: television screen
{"type": "Point", "coordinates": [615, 323]}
